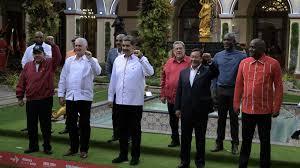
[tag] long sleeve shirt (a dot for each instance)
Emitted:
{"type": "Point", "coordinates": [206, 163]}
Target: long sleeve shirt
{"type": "Point", "coordinates": [128, 80]}
{"type": "Point", "coordinates": [76, 78]}
{"type": "Point", "coordinates": [28, 55]}
{"type": "Point", "coordinates": [259, 86]}
{"type": "Point", "coordinates": [36, 80]}
{"type": "Point", "coordinates": [228, 64]}
{"type": "Point", "coordinates": [170, 76]}
{"type": "Point", "coordinates": [111, 56]}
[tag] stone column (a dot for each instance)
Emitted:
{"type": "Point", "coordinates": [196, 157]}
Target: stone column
{"type": "Point", "coordinates": [100, 39]}
{"type": "Point", "coordinates": [294, 19]}
{"type": "Point", "coordinates": [226, 19]}
{"type": "Point", "coordinates": [71, 16]}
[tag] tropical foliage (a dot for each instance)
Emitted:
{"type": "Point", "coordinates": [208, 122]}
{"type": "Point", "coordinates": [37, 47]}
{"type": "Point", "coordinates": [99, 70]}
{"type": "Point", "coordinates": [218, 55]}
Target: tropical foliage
{"type": "Point", "coordinates": [42, 17]}
{"type": "Point", "coordinates": [294, 46]}
{"type": "Point", "coordinates": [154, 30]}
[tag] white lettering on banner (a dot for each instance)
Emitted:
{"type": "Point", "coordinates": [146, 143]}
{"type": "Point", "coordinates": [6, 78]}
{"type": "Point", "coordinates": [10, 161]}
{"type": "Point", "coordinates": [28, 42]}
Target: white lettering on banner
{"type": "Point", "coordinates": [48, 164]}
{"type": "Point", "coordinates": [71, 166]}
{"type": "Point", "coordinates": [52, 164]}
{"type": "Point", "coordinates": [14, 159]}
{"type": "Point", "coordinates": [32, 164]}
{"type": "Point", "coordinates": [26, 160]}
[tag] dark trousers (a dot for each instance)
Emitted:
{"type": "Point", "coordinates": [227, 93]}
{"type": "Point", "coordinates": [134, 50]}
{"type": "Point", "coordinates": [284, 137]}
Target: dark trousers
{"type": "Point", "coordinates": [199, 124]}
{"type": "Point", "coordinates": [249, 122]}
{"type": "Point", "coordinates": [225, 105]}
{"type": "Point", "coordinates": [39, 110]}
{"type": "Point", "coordinates": [67, 122]}
{"type": "Point", "coordinates": [84, 110]}
{"type": "Point", "coordinates": [173, 120]}
{"type": "Point", "coordinates": [115, 120]}
{"type": "Point", "coordinates": [130, 124]}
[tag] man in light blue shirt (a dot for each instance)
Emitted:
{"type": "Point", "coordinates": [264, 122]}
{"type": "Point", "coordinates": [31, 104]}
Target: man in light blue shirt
{"type": "Point", "coordinates": [127, 83]}
{"type": "Point", "coordinates": [112, 55]}
{"type": "Point", "coordinates": [227, 62]}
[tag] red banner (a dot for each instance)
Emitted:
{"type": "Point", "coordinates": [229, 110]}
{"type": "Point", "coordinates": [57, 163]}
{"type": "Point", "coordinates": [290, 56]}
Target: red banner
{"type": "Point", "coordinates": [27, 161]}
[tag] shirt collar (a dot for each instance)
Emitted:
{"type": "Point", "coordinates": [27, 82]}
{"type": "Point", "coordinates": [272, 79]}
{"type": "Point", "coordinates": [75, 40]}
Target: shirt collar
{"type": "Point", "coordinates": [80, 58]}
{"type": "Point", "coordinates": [261, 60]}
{"type": "Point", "coordinates": [130, 57]}
{"type": "Point", "coordinates": [196, 68]}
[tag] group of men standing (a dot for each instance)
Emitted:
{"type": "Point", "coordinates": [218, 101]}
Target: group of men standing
{"type": "Point", "coordinates": [185, 87]}
{"type": "Point", "coordinates": [75, 89]}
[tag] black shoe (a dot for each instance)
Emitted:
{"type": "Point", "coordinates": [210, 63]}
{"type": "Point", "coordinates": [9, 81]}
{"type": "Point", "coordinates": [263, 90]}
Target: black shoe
{"type": "Point", "coordinates": [48, 152]}
{"type": "Point", "coordinates": [27, 151]}
{"type": "Point", "coordinates": [296, 135]}
{"type": "Point", "coordinates": [235, 149]}
{"type": "Point", "coordinates": [174, 144]}
{"type": "Point", "coordinates": [218, 147]}
{"type": "Point", "coordinates": [70, 153]}
{"type": "Point", "coordinates": [24, 130]}
{"type": "Point", "coordinates": [183, 166]}
{"type": "Point", "coordinates": [134, 161]}
{"type": "Point", "coordinates": [119, 160]}
{"type": "Point", "coordinates": [83, 155]}
{"type": "Point", "coordinates": [64, 131]}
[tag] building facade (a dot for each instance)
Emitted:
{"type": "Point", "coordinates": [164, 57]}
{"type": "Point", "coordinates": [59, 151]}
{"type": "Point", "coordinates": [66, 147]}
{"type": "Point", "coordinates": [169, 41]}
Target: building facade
{"type": "Point", "coordinates": [275, 21]}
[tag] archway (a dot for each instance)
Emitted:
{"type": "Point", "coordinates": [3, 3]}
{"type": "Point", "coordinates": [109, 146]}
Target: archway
{"type": "Point", "coordinates": [189, 21]}
{"type": "Point", "coordinates": [270, 24]}
{"type": "Point", "coordinates": [186, 20]}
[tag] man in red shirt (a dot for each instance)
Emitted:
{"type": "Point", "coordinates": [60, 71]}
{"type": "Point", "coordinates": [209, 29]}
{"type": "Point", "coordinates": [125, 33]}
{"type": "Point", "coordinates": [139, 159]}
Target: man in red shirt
{"type": "Point", "coordinates": [36, 82]}
{"type": "Point", "coordinates": [259, 86]}
{"type": "Point", "coordinates": [169, 82]}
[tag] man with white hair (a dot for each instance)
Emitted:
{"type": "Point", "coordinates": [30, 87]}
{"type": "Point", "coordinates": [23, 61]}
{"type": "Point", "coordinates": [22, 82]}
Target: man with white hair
{"type": "Point", "coordinates": [75, 88]}
{"type": "Point", "coordinates": [169, 81]}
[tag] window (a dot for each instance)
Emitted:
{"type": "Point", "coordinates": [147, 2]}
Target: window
{"type": "Point", "coordinates": [133, 5]}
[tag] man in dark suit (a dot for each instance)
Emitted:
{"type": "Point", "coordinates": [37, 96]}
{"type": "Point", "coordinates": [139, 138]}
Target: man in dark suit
{"type": "Point", "coordinates": [193, 103]}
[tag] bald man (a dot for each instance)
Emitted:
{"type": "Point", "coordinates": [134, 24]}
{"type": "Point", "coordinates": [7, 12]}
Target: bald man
{"type": "Point", "coordinates": [259, 90]}
{"type": "Point", "coordinates": [227, 62]}
{"type": "Point", "coordinates": [38, 40]}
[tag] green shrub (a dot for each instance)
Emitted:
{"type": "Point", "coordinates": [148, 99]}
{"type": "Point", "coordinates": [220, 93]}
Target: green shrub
{"type": "Point", "coordinates": [294, 46]}
{"type": "Point", "coordinates": [153, 81]}
{"type": "Point", "coordinates": [10, 79]}
{"type": "Point", "coordinates": [154, 30]}
{"type": "Point", "coordinates": [42, 17]}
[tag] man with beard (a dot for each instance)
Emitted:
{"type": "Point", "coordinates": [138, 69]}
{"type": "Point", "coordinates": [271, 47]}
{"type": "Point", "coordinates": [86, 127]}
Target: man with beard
{"type": "Point", "coordinates": [193, 103]}
{"type": "Point", "coordinates": [112, 55]}
{"type": "Point", "coordinates": [127, 85]}
{"type": "Point", "coordinates": [39, 40]}
{"type": "Point", "coordinates": [76, 87]}
{"type": "Point", "coordinates": [259, 89]}
{"type": "Point", "coordinates": [227, 62]}
{"type": "Point", "coordinates": [169, 81]}
{"type": "Point", "coordinates": [36, 82]}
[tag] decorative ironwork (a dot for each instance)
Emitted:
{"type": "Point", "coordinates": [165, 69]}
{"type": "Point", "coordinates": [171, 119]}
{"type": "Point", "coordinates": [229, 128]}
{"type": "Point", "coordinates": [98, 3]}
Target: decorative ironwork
{"type": "Point", "coordinates": [273, 6]}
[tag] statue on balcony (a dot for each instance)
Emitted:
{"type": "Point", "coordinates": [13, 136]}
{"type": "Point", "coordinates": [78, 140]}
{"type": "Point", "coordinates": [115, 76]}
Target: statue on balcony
{"type": "Point", "coordinates": [205, 16]}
